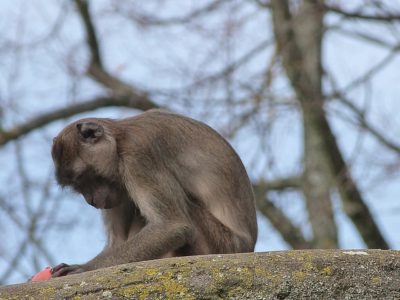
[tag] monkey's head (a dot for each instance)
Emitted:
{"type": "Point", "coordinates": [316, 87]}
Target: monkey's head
{"type": "Point", "coordinates": [86, 159]}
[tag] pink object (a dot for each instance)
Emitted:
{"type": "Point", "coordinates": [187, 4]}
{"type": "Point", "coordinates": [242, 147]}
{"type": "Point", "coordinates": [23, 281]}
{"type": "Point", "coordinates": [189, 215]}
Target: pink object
{"type": "Point", "coordinates": [42, 275]}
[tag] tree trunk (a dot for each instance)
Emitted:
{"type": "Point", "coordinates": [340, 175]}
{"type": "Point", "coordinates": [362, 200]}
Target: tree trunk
{"type": "Point", "coordinates": [298, 31]}
{"type": "Point", "coordinates": [302, 274]}
{"type": "Point", "coordinates": [299, 38]}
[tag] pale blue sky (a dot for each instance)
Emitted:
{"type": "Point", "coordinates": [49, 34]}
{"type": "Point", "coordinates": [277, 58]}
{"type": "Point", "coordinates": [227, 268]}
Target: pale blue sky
{"type": "Point", "coordinates": [33, 81]}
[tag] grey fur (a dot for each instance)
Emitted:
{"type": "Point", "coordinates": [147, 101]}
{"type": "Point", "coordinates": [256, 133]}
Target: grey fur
{"type": "Point", "coordinates": [167, 185]}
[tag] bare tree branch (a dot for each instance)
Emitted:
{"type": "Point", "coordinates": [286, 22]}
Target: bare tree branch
{"type": "Point", "coordinates": [280, 184]}
{"type": "Point", "coordinates": [299, 36]}
{"type": "Point", "coordinates": [299, 55]}
{"type": "Point", "coordinates": [363, 123]}
{"type": "Point", "coordinates": [15, 260]}
{"type": "Point", "coordinates": [96, 69]}
{"type": "Point", "coordinates": [377, 41]}
{"type": "Point", "coordinates": [373, 70]}
{"type": "Point", "coordinates": [290, 233]}
{"type": "Point", "coordinates": [263, 3]}
{"type": "Point", "coordinates": [151, 20]}
{"type": "Point", "coordinates": [361, 117]}
{"type": "Point", "coordinates": [138, 102]}
{"type": "Point", "coordinates": [91, 37]}
{"type": "Point", "coordinates": [388, 17]}
{"type": "Point", "coordinates": [230, 68]}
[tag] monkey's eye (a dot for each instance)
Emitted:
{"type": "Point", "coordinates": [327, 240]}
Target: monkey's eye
{"type": "Point", "coordinates": [89, 131]}
{"type": "Point", "coordinates": [77, 177]}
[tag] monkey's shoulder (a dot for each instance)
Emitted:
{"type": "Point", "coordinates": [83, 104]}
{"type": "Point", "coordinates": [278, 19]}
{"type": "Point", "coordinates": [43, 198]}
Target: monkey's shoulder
{"type": "Point", "coordinates": [165, 120]}
{"type": "Point", "coordinates": [159, 114]}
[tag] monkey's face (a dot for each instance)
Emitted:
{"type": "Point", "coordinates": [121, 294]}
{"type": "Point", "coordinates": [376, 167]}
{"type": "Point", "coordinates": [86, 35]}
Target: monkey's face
{"type": "Point", "coordinates": [97, 191]}
{"type": "Point", "coordinates": [85, 158]}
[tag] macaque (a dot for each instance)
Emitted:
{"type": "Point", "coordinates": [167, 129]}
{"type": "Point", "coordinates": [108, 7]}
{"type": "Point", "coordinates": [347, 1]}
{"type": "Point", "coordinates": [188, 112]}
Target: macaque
{"type": "Point", "coordinates": [166, 185]}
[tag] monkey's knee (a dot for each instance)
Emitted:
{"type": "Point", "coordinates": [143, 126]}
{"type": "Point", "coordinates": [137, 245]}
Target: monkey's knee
{"type": "Point", "coordinates": [244, 244]}
{"type": "Point", "coordinates": [185, 231]}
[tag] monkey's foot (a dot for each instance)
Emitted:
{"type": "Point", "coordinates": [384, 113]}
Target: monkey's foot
{"type": "Point", "coordinates": [64, 269]}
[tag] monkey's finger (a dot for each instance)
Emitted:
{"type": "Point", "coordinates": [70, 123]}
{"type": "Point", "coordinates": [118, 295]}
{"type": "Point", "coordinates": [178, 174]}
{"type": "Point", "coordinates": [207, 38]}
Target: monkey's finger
{"type": "Point", "coordinates": [61, 270]}
{"type": "Point", "coordinates": [60, 273]}
{"type": "Point", "coordinates": [68, 270]}
{"type": "Point", "coordinates": [58, 267]}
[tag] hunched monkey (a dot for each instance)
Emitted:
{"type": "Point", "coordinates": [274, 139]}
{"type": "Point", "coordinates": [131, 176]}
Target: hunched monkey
{"type": "Point", "coordinates": [167, 186]}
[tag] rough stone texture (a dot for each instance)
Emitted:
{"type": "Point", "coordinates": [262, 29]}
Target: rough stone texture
{"type": "Point", "coordinates": [305, 274]}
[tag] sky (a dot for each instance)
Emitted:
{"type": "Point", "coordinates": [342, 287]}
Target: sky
{"type": "Point", "coordinates": [33, 81]}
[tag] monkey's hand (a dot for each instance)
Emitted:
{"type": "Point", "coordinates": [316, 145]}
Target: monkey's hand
{"type": "Point", "coordinates": [64, 269]}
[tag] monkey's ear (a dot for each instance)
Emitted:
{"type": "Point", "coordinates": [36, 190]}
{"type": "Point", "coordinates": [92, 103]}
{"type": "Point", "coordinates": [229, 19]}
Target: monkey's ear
{"type": "Point", "coordinates": [90, 132]}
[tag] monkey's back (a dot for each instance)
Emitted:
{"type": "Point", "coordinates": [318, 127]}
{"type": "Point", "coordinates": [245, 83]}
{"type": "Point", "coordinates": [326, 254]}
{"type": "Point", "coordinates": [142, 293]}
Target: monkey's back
{"type": "Point", "coordinates": [206, 166]}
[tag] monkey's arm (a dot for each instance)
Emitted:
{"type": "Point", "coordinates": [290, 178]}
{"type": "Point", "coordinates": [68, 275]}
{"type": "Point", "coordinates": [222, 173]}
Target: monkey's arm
{"type": "Point", "coordinates": [151, 242]}
{"type": "Point", "coordinates": [162, 203]}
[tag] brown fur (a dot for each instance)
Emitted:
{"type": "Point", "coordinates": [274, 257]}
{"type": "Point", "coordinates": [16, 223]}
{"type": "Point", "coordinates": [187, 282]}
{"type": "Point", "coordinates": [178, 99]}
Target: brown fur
{"type": "Point", "coordinates": [168, 186]}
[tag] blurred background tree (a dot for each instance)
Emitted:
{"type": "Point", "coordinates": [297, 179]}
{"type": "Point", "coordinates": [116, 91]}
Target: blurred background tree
{"type": "Point", "coordinates": [305, 90]}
